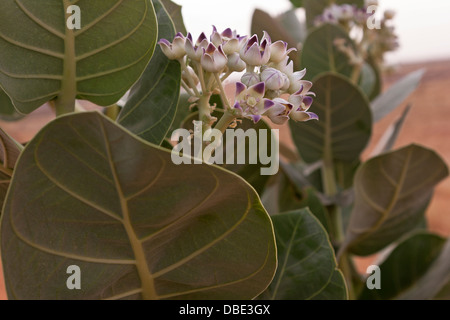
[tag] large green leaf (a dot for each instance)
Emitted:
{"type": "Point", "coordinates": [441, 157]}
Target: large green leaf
{"type": "Point", "coordinates": [98, 62]}
{"type": "Point", "coordinates": [307, 265]}
{"type": "Point", "coordinates": [320, 54]}
{"type": "Point", "coordinates": [392, 192]}
{"type": "Point", "coordinates": [7, 110]}
{"type": "Point", "coordinates": [152, 103]}
{"type": "Point", "coordinates": [344, 125]}
{"type": "Point", "coordinates": [395, 95]}
{"type": "Point", "coordinates": [436, 281]}
{"type": "Point", "coordinates": [85, 192]}
{"type": "Point", "coordinates": [405, 265]}
{"type": "Point", "coordinates": [174, 11]}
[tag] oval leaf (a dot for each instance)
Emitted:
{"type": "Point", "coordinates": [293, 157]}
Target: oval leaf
{"type": "Point", "coordinates": [392, 192]}
{"type": "Point", "coordinates": [87, 193]}
{"type": "Point", "coordinates": [320, 55]}
{"type": "Point", "coordinates": [98, 62]}
{"type": "Point", "coordinates": [306, 260]}
{"type": "Point", "coordinates": [418, 250]}
{"type": "Point", "coordinates": [152, 103]}
{"type": "Point", "coordinates": [344, 125]}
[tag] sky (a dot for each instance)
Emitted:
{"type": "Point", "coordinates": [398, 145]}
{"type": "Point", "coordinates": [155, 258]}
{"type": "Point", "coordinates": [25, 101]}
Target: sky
{"type": "Point", "coordinates": [423, 27]}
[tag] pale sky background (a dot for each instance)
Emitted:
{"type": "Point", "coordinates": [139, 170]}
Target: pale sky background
{"type": "Point", "coordinates": [423, 26]}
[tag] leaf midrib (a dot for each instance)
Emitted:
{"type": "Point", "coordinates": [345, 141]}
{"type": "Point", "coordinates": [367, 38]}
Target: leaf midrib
{"type": "Point", "coordinates": [147, 280]}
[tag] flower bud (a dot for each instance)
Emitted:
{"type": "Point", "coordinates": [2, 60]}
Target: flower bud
{"type": "Point", "coordinates": [213, 59]}
{"type": "Point", "coordinates": [287, 82]}
{"type": "Point", "coordinates": [189, 72]}
{"type": "Point", "coordinates": [175, 50]}
{"type": "Point", "coordinates": [195, 52]}
{"type": "Point", "coordinates": [273, 78]}
{"type": "Point", "coordinates": [235, 63]}
{"type": "Point", "coordinates": [254, 53]}
{"type": "Point", "coordinates": [250, 79]}
{"type": "Point", "coordinates": [279, 51]}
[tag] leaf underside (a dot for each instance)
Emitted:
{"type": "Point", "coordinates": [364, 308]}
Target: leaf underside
{"type": "Point", "coordinates": [307, 266]}
{"type": "Point", "coordinates": [392, 192]}
{"type": "Point", "coordinates": [137, 225]}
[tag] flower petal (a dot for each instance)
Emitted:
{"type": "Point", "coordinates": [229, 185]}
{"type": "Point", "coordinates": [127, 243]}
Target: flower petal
{"type": "Point", "coordinates": [240, 88]}
{"type": "Point", "coordinates": [257, 91]}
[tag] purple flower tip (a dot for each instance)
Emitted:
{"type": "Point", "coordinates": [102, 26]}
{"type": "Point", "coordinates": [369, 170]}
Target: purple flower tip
{"type": "Point", "coordinates": [237, 105]}
{"type": "Point", "coordinates": [240, 87]}
{"type": "Point", "coordinates": [256, 118]}
{"type": "Point", "coordinates": [299, 90]}
{"type": "Point", "coordinates": [252, 41]}
{"type": "Point", "coordinates": [211, 48]}
{"type": "Point", "coordinates": [179, 35]}
{"type": "Point", "coordinates": [313, 116]}
{"type": "Point", "coordinates": [227, 33]}
{"type": "Point", "coordinates": [307, 101]}
{"type": "Point", "coordinates": [268, 103]}
{"type": "Point", "coordinates": [165, 41]}
{"type": "Point", "coordinates": [259, 87]}
{"type": "Point", "coordinates": [201, 38]}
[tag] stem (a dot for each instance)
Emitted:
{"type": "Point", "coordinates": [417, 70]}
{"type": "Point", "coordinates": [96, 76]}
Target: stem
{"type": "Point", "coordinates": [356, 73]}
{"type": "Point", "coordinates": [225, 121]}
{"type": "Point", "coordinates": [186, 87]}
{"type": "Point", "coordinates": [223, 96]}
{"type": "Point", "coordinates": [225, 76]}
{"type": "Point", "coordinates": [204, 110]}
{"type": "Point", "coordinates": [201, 77]}
{"type": "Point", "coordinates": [189, 78]}
{"type": "Point", "coordinates": [335, 216]}
{"type": "Point", "coordinates": [112, 112]}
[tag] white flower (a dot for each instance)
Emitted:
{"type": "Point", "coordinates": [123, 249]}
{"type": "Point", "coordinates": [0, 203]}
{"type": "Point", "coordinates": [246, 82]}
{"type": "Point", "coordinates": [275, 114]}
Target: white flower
{"type": "Point", "coordinates": [235, 63]}
{"type": "Point", "coordinates": [195, 52]}
{"type": "Point", "coordinates": [213, 59]}
{"type": "Point", "coordinates": [255, 53]}
{"type": "Point", "coordinates": [250, 79]}
{"type": "Point", "coordinates": [301, 102]}
{"type": "Point", "coordinates": [279, 51]}
{"type": "Point", "coordinates": [175, 50]}
{"type": "Point", "coordinates": [279, 112]}
{"type": "Point", "coordinates": [250, 102]}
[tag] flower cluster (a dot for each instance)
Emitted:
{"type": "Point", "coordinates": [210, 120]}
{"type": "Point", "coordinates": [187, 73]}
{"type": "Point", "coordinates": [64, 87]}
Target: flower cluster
{"type": "Point", "coordinates": [376, 41]}
{"type": "Point", "coordinates": [268, 84]}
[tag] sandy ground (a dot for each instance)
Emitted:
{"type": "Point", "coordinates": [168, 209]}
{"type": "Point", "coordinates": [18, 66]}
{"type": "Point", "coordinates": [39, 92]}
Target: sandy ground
{"type": "Point", "coordinates": [428, 124]}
